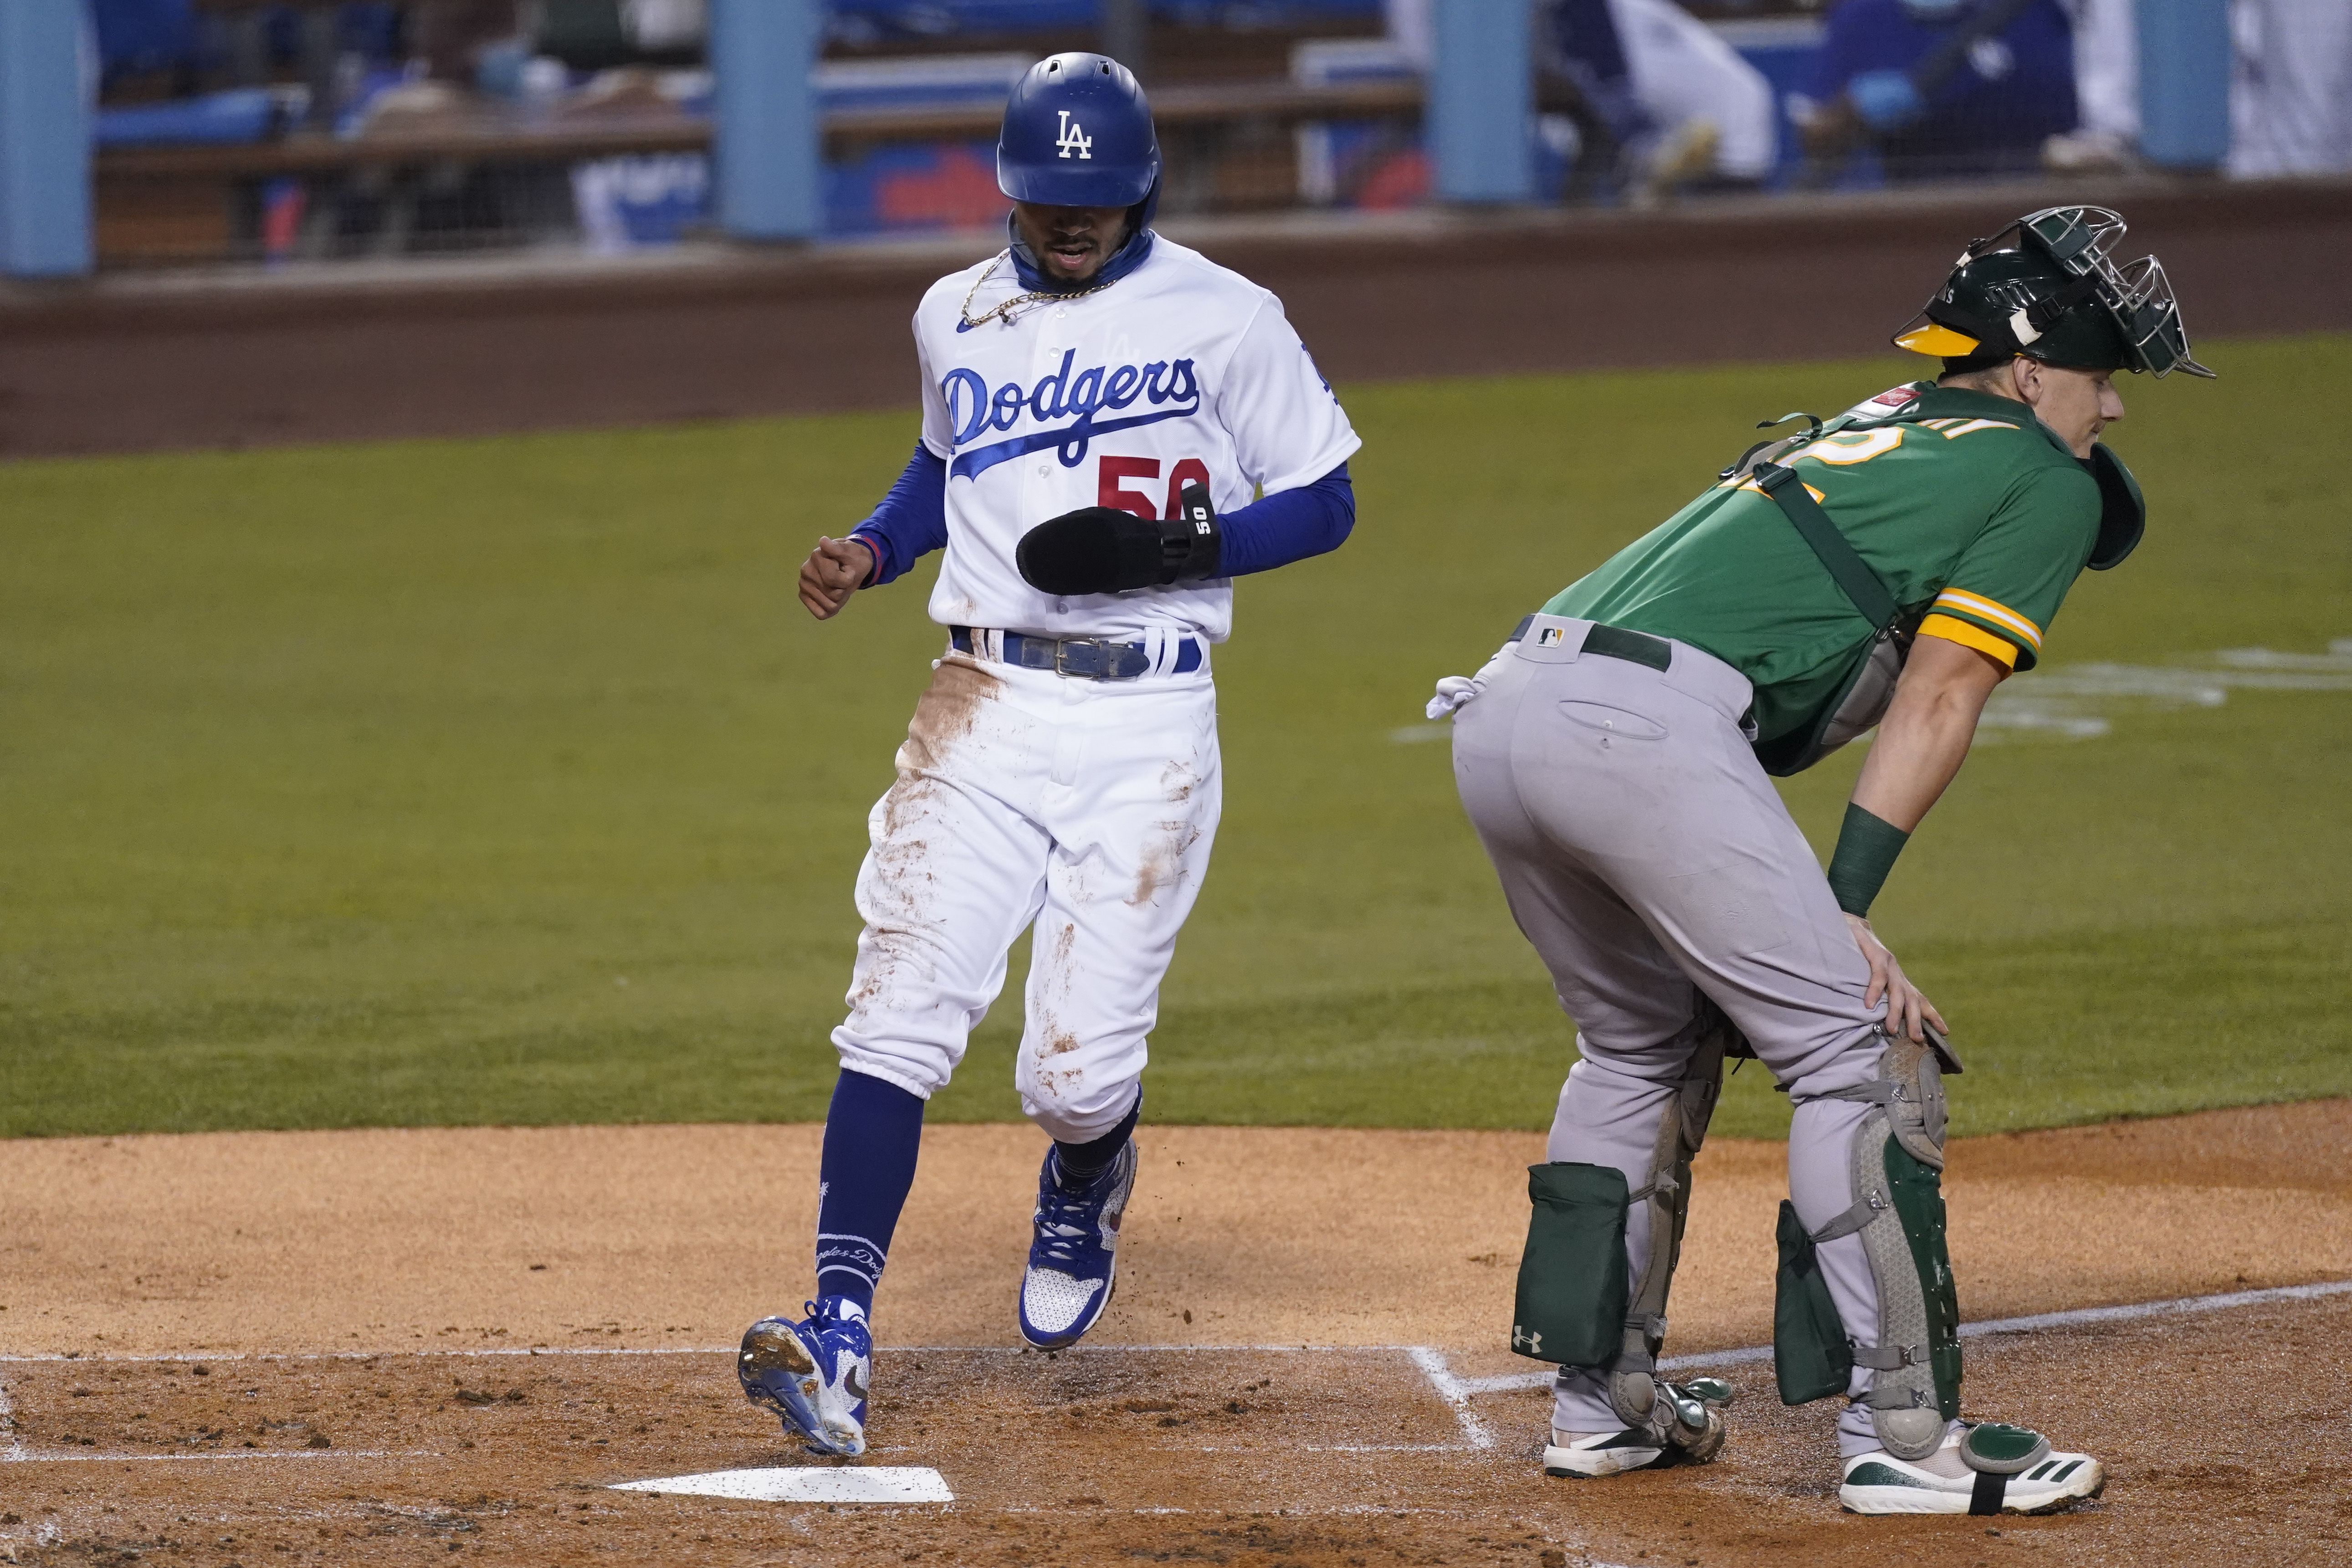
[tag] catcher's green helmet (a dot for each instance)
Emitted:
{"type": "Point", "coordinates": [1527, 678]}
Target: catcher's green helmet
{"type": "Point", "coordinates": [2047, 287]}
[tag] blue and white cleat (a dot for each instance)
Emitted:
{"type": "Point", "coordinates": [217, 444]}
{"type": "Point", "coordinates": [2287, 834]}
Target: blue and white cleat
{"type": "Point", "coordinates": [814, 1372]}
{"type": "Point", "coordinates": [1071, 1260]}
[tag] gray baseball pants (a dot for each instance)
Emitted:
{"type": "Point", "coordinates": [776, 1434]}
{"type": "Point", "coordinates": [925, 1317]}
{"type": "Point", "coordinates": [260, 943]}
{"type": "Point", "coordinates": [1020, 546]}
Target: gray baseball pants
{"type": "Point", "coordinates": [1646, 856]}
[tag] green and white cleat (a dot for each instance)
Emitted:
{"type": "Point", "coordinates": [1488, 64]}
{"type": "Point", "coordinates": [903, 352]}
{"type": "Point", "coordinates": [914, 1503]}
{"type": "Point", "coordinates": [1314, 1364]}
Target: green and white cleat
{"type": "Point", "coordinates": [1983, 1468]}
{"type": "Point", "coordinates": [1687, 1428]}
{"type": "Point", "coordinates": [1585, 1455]}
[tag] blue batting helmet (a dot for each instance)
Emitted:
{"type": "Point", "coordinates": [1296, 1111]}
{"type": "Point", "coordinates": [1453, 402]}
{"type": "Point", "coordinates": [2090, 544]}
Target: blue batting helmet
{"type": "Point", "coordinates": [1078, 133]}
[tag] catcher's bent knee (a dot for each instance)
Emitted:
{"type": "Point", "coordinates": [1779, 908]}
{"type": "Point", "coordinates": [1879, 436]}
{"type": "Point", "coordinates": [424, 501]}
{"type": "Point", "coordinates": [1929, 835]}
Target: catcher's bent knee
{"type": "Point", "coordinates": [1895, 1158]}
{"type": "Point", "coordinates": [1574, 1283]}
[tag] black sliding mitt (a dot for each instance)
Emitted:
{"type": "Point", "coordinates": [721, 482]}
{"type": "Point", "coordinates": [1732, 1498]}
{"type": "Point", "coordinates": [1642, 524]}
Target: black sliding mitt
{"type": "Point", "coordinates": [1102, 549]}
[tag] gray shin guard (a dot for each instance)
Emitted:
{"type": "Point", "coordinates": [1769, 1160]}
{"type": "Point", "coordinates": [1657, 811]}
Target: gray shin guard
{"type": "Point", "coordinates": [1684, 1417]}
{"type": "Point", "coordinates": [1898, 1157]}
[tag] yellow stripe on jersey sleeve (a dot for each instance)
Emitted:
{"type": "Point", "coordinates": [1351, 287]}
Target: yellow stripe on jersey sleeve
{"type": "Point", "coordinates": [1998, 616]}
{"type": "Point", "coordinates": [1968, 635]}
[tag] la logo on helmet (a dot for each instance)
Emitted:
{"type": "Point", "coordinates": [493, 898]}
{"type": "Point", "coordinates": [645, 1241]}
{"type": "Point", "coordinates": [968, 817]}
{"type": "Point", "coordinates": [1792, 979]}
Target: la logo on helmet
{"type": "Point", "coordinates": [1074, 138]}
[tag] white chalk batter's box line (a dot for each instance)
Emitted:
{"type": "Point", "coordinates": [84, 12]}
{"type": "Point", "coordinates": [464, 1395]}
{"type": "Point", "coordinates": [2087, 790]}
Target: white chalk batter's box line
{"type": "Point", "coordinates": [1456, 1392]}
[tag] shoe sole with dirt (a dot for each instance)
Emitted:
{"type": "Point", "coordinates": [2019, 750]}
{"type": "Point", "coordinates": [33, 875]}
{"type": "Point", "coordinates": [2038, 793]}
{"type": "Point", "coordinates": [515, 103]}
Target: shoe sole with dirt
{"type": "Point", "coordinates": [778, 1373]}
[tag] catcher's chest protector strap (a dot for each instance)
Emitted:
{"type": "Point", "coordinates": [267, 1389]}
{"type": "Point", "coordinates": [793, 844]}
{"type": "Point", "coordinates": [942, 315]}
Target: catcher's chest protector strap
{"type": "Point", "coordinates": [1862, 698]}
{"type": "Point", "coordinates": [1862, 586]}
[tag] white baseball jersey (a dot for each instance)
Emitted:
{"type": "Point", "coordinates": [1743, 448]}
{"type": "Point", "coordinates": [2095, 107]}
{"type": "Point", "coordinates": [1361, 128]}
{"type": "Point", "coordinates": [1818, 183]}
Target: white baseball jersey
{"type": "Point", "coordinates": [1179, 373]}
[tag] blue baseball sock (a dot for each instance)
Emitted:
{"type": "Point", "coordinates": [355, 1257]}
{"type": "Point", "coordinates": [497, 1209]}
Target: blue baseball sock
{"type": "Point", "coordinates": [1082, 1162]}
{"type": "Point", "coordinates": [871, 1135]}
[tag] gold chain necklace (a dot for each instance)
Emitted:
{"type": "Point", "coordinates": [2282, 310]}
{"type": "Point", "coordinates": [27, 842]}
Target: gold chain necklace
{"type": "Point", "coordinates": [1009, 306]}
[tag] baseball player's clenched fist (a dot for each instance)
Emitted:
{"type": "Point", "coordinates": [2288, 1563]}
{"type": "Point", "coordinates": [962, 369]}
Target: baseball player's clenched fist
{"type": "Point", "coordinates": [832, 572]}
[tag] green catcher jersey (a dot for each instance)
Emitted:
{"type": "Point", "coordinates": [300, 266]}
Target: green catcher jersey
{"type": "Point", "coordinates": [1972, 512]}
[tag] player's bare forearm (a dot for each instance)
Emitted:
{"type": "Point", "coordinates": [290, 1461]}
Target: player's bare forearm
{"type": "Point", "coordinates": [1925, 737]}
{"type": "Point", "coordinates": [836, 569]}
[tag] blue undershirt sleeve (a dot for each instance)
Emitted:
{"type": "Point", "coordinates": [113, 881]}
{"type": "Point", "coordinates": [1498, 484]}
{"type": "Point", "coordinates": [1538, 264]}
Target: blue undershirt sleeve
{"type": "Point", "coordinates": [1289, 525]}
{"type": "Point", "coordinates": [912, 519]}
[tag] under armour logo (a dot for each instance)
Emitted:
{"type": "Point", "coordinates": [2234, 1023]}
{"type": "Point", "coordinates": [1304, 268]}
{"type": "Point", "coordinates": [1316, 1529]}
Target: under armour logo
{"type": "Point", "coordinates": [1074, 138]}
{"type": "Point", "coordinates": [1527, 1339]}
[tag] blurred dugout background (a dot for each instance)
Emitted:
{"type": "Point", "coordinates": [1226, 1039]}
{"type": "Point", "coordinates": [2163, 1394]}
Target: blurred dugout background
{"type": "Point", "coordinates": [244, 131]}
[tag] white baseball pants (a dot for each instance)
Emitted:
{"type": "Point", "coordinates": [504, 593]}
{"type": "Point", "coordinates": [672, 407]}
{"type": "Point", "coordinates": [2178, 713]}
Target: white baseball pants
{"type": "Point", "coordinates": [1085, 807]}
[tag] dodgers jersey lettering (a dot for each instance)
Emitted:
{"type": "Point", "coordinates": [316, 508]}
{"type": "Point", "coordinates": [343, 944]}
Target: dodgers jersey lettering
{"type": "Point", "coordinates": [1179, 373]}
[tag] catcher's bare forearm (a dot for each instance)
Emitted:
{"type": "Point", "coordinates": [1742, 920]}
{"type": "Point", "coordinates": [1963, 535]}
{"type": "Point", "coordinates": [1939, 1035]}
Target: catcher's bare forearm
{"type": "Point", "coordinates": [1925, 737]}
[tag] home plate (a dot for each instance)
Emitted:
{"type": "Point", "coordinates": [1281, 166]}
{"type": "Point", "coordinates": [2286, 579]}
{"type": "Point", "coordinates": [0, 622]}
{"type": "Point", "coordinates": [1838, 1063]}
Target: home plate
{"type": "Point", "coordinates": [877, 1483]}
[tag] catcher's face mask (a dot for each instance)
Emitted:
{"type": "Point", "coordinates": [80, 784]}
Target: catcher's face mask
{"type": "Point", "coordinates": [2048, 286]}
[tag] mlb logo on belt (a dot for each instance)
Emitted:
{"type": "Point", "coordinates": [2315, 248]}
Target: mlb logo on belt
{"type": "Point", "coordinates": [1551, 637]}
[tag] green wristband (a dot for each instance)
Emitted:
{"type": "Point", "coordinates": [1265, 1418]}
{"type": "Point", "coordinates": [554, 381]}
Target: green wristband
{"type": "Point", "coordinates": [1866, 848]}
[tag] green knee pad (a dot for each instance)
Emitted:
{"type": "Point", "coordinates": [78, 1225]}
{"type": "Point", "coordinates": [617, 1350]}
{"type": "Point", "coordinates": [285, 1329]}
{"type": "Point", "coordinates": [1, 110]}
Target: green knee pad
{"type": "Point", "coordinates": [1572, 1279]}
{"type": "Point", "coordinates": [1899, 1217]}
{"type": "Point", "coordinates": [1918, 1353]}
{"type": "Point", "coordinates": [1918, 1191]}
{"type": "Point", "coordinates": [1812, 1357]}
{"type": "Point", "coordinates": [1897, 1160]}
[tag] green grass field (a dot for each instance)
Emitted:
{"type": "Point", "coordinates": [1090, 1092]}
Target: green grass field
{"type": "Point", "coordinates": [503, 780]}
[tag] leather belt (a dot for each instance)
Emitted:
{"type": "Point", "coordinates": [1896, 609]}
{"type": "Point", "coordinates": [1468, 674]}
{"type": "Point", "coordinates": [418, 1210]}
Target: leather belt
{"type": "Point", "coordinates": [1087, 659]}
{"type": "Point", "coordinates": [1616, 642]}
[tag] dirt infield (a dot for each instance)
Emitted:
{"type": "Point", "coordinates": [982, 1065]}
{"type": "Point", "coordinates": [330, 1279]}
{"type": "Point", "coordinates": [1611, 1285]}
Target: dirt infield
{"type": "Point", "coordinates": [387, 1346]}
{"type": "Point", "coordinates": [475, 349]}
{"type": "Point", "coordinates": [2226, 1438]}
{"type": "Point", "coordinates": [658, 1236]}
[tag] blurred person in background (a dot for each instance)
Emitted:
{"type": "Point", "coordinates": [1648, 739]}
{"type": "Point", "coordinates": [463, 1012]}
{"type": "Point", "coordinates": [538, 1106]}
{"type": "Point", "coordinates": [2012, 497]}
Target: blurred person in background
{"type": "Point", "coordinates": [1680, 106]}
{"type": "Point", "coordinates": [452, 36]}
{"type": "Point", "coordinates": [1940, 86]}
{"type": "Point", "coordinates": [1660, 101]}
{"type": "Point", "coordinates": [2291, 99]}
{"type": "Point", "coordinates": [2106, 88]}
